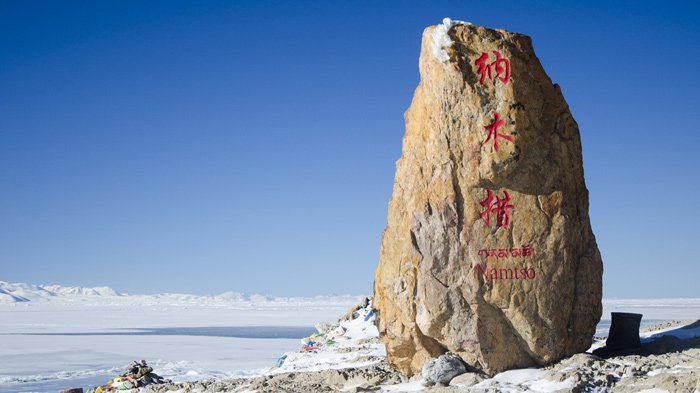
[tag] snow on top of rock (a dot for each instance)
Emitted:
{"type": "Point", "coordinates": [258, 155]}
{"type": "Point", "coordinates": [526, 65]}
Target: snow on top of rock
{"type": "Point", "coordinates": [442, 40]}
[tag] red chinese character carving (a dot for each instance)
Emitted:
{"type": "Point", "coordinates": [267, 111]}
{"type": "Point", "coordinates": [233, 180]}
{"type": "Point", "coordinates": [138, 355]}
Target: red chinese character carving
{"type": "Point", "coordinates": [493, 131]}
{"type": "Point", "coordinates": [499, 207]}
{"type": "Point", "coordinates": [501, 65]}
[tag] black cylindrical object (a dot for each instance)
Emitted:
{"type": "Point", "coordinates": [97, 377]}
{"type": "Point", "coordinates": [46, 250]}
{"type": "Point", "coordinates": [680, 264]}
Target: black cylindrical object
{"type": "Point", "coordinates": [624, 331]}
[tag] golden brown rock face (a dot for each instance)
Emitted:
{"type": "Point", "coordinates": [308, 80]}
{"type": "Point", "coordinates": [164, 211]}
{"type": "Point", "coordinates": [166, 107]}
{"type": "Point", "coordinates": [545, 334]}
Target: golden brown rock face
{"type": "Point", "coordinates": [488, 253]}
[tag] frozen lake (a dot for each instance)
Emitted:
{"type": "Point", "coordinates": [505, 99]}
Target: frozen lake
{"type": "Point", "coordinates": [47, 346]}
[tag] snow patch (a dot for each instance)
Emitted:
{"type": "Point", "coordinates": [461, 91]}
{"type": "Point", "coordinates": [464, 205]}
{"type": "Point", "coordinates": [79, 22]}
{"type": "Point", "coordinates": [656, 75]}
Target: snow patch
{"type": "Point", "coordinates": [415, 386]}
{"type": "Point", "coordinates": [441, 40]}
{"type": "Point", "coordinates": [683, 333]}
{"type": "Point", "coordinates": [529, 378]}
{"type": "Point", "coordinates": [519, 376]}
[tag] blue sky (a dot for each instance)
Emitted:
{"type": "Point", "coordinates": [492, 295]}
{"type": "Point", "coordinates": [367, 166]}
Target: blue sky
{"type": "Point", "coordinates": [206, 146]}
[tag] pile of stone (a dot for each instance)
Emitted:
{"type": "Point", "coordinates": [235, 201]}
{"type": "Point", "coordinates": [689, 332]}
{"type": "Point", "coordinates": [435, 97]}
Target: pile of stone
{"type": "Point", "coordinates": [317, 341]}
{"type": "Point", "coordinates": [142, 373]}
{"type": "Point", "coordinates": [138, 374]}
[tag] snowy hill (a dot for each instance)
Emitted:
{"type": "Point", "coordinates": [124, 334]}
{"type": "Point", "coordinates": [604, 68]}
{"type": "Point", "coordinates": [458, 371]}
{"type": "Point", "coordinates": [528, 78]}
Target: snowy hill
{"type": "Point", "coordinates": [81, 291]}
{"type": "Point", "coordinates": [21, 292]}
{"type": "Point", "coordinates": [7, 297]}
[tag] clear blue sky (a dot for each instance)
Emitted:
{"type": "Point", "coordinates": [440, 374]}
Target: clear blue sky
{"type": "Point", "coordinates": [209, 146]}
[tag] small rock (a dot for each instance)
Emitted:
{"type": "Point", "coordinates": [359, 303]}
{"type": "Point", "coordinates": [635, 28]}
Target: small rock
{"type": "Point", "coordinates": [466, 379]}
{"type": "Point", "coordinates": [441, 370]}
{"type": "Point", "coordinates": [323, 327]}
{"type": "Point", "coordinates": [359, 389]}
{"type": "Point", "coordinates": [350, 314]}
{"type": "Point", "coordinates": [365, 302]}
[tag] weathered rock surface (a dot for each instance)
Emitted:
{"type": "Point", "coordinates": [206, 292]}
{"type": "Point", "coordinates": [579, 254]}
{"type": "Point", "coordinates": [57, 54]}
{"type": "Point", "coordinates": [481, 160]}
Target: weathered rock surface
{"type": "Point", "coordinates": [456, 196]}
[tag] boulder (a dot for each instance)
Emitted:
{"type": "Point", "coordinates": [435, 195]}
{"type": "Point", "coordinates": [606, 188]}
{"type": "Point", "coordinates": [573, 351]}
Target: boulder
{"type": "Point", "coordinates": [488, 251]}
{"type": "Point", "coordinates": [441, 370]}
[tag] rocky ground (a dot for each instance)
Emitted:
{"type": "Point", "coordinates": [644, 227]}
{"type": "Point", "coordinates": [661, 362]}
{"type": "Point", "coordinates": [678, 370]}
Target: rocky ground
{"type": "Point", "coordinates": [327, 363]}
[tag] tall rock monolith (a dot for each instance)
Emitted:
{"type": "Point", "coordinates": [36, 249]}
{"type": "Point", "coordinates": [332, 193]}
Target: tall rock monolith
{"type": "Point", "coordinates": [488, 252]}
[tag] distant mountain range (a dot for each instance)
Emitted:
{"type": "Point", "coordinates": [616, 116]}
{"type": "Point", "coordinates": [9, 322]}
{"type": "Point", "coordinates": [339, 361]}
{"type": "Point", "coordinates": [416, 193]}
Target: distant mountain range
{"type": "Point", "coordinates": [21, 292]}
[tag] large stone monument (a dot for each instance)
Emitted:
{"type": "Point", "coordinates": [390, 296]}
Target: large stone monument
{"type": "Point", "coordinates": [488, 252]}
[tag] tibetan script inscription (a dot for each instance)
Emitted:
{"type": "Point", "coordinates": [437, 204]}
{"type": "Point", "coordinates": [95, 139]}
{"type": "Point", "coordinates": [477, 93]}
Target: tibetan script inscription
{"type": "Point", "coordinates": [522, 252]}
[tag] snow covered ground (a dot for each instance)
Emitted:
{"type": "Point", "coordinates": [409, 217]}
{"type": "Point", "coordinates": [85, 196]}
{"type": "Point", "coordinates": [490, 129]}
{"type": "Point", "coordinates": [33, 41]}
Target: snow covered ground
{"type": "Point", "coordinates": [54, 337]}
